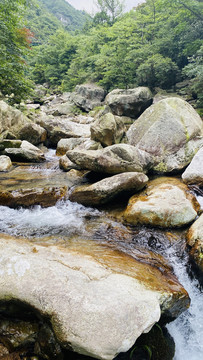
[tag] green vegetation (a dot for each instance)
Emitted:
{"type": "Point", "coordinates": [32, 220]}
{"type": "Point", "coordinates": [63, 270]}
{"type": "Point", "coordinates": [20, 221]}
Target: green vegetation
{"type": "Point", "coordinates": [14, 41]}
{"type": "Point", "coordinates": [157, 44]}
{"type": "Point", "coordinates": [148, 46]}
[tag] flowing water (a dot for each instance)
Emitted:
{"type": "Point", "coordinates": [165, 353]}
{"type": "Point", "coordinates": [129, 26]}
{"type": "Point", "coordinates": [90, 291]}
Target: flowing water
{"type": "Point", "coordinates": [68, 221]}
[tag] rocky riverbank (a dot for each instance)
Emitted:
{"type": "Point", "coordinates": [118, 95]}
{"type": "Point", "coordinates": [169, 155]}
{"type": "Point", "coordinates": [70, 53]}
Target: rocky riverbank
{"type": "Point", "coordinates": [92, 290]}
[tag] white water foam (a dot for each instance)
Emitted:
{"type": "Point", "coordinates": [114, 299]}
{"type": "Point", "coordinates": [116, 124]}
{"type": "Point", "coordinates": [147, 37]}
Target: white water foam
{"type": "Point", "coordinates": [187, 329]}
{"type": "Point", "coordinates": [65, 216]}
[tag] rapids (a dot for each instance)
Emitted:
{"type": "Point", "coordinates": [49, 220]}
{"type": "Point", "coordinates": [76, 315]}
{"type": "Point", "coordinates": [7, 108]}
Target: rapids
{"type": "Point", "coordinates": [68, 221]}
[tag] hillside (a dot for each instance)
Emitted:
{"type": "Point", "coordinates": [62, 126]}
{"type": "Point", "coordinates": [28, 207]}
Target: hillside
{"type": "Point", "coordinates": [46, 16]}
{"type": "Point", "coordinates": [71, 18]}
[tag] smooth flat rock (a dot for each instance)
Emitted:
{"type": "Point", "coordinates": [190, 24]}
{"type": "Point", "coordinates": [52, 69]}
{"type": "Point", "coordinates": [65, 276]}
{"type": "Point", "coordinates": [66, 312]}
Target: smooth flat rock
{"type": "Point", "coordinates": [194, 172]}
{"type": "Point", "coordinates": [107, 189]}
{"type": "Point", "coordinates": [170, 131]}
{"type": "Point", "coordinates": [166, 202]}
{"type": "Point", "coordinates": [113, 159]}
{"type": "Point", "coordinates": [98, 306]}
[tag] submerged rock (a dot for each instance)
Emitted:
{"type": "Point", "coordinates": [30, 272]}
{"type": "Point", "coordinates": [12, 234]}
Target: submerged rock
{"type": "Point", "coordinates": [107, 189]}
{"type": "Point", "coordinates": [5, 163]}
{"type": "Point", "coordinates": [166, 202]}
{"type": "Point", "coordinates": [194, 172]}
{"type": "Point", "coordinates": [195, 243]}
{"type": "Point", "coordinates": [113, 159]}
{"type": "Point", "coordinates": [98, 302]}
{"type": "Point", "coordinates": [170, 131]}
{"type": "Point", "coordinates": [130, 102]}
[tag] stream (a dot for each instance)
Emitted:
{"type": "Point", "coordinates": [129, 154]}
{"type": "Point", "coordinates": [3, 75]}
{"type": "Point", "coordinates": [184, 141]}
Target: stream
{"type": "Point", "coordinates": [68, 222]}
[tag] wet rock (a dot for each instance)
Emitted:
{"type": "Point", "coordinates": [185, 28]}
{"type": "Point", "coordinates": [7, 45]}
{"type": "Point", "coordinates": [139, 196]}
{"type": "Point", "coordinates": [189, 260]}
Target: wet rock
{"type": "Point", "coordinates": [108, 129]}
{"type": "Point", "coordinates": [65, 145]}
{"type": "Point", "coordinates": [113, 159]}
{"type": "Point", "coordinates": [130, 102]}
{"type": "Point", "coordinates": [170, 131]}
{"type": "Point", "coordinates": [88, 96]}
{"type": "Point", "coordinates": [26, 152]}
{"type": "Point", "coordinates": [105, 190]}
{"type": "Point", "coordinates": [17, 333]}
{"type": "Point", "coordinates": [47, 196]}
{"type": "Point", "coordinates": [5, 163]}
{"type": "Point", "coordinates": [194, 172]}
{"type": "Point", "coordinates": [166, 202]}
{"type": "Point", "coordinates": [195, 243]}
{"type": "Point", "coordinates": [112, 298]}
{"type": "Point", "coordinates": [33, 133]}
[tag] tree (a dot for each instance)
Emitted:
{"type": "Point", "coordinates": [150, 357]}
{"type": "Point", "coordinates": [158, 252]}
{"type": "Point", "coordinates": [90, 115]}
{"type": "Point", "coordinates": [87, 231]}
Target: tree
{"type": "Point", "coordinates": [14, 40]}
{"type": "Point", "coordinates": [111, 8]}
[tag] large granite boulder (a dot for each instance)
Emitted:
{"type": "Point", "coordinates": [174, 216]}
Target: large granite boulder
{"type": "Point", "coordinates": [33, 133]}
{"type": "Point", "coordinates": [65, 145]}
{"type": "Point", "coordinates": [113, 159]}
{"type": "Point", "coordinates": [25, 152]}
{"type": "Point", "coordinates": [194, 172]}
{"type": "Point", "coordinates": [170, 131]}
{"type": "Point", "coordinates": [166, 202]}
{"type": "Point", "coordinates": [60, 128]}
{"type": "Point", "coordinates": [11, 121]}
{"type": "Point", "coordinates": [130, 102]}
{"type": "Point", "coordinates": [95, 306]}
{"type": "Point", "coordinates": [195, 243]}
{"type": "Point", "coordinates": [5, 163]}
{"type": "Point", "coordinates": [107, 189]}
{"type": "Point", "coordinates": [88, 96]}
{"type": "Point", "coordinates": [108, 129]}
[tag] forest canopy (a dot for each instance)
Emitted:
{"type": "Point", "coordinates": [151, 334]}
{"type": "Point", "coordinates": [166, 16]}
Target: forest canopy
{"type": "Point", "coordinates": [156, 44]}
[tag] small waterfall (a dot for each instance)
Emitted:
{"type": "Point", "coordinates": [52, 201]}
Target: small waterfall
{"type": "Point", "coordinates": [187, 329]}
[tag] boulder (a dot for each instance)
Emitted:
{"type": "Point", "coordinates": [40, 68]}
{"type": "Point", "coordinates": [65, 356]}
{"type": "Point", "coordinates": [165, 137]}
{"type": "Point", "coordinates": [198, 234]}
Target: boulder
{"type": "Point", "coordinates": [195, 243]}
{"type": "Point", "coordinates": [11, 121]}
{"type": "Point", "coordinates": [170, 131]}
{"type": "Point", "coordinates": [194, 172]}
{"type": "Point", "coordinates": [166, 202]}
{"type": "Point", "coordinates": [66, 164]}
{"type": "Point", "coordinates": [33, 133]}
{"type": "Point", "coordinates": [60, 128]}
{"type": "Point", "coordinates": [88, 96]}
{"type": "Point", "coordinates": [47, 196]}
{"type": "Point", "coordinates": [65, 145]}
{"type": "Point", "coordinates": [113, 159]}
{"type": "Point", "coordinates": [5, 163]}
{"type": "Point", "coordinates": [108, 129]}
{"type": "Point", "coordinates": [95, 307]}
{"type": "Point", "coordinates": [26, 152]}
{"type": "Point", "coordinates": [107, 189]}
{"type": "Point", "coordinates": [130, 102]}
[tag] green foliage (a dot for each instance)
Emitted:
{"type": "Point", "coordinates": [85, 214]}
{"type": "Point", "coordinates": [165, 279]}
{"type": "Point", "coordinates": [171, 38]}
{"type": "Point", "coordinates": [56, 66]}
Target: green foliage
{"type": "Point", "coordinates": [194, 70]}
{"type": "Point", "coordinates": [14, 41]}
{"type": "Point", "coordinates": [147, 46]}
{"type": "Point", "coordinates": [157, 71]}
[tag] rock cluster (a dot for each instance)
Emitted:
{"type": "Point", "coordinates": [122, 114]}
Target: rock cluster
{"type": "Point", "coordinates": [97, 299]}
